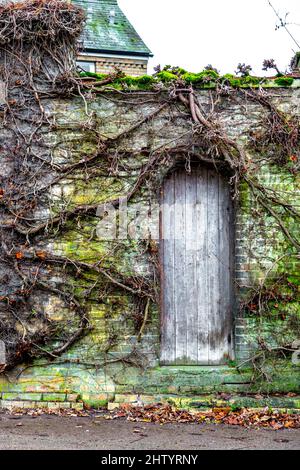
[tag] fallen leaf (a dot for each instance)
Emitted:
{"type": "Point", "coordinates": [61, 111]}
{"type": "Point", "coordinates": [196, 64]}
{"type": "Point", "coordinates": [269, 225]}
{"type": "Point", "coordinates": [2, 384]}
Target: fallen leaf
{"type": "Point", "coordinates": [41, 254]}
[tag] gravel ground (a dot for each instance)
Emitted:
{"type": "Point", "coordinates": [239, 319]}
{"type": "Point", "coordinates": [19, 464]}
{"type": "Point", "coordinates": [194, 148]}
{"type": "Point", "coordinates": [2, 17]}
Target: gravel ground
{"type": "Point", "coordinates": [88, 433]}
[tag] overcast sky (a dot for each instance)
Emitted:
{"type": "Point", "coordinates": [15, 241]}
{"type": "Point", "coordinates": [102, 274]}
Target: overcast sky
{"type": "Point", "coordinates": [194, 33]}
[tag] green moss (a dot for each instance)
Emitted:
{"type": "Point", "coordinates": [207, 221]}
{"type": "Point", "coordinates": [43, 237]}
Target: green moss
{"type": "Point", "coordinates": [204, 79]}
{"type": "Point", "coordinates": [284, 377]}
{"type": "Point", "coordinates": [249, 80]}
{"type": "Point", "coordinates": [294, 279]}
{"type": "Point", "coordinates": [94, 25]}
{"type": "Point", "coordinates": [95, 403]}
{"type": "Point", "coordinates": [284, 81]}
{"type": "Point", "coordinates": [166, 77]}
{"type": "Point", "coordinates": [97, 76]}
{"type": "Point", "coordinates": [143, 82]}
{"type": "Point", "coordinates": [135, 82]}
{"type": "Point", "coordinates": [230, 79]}
{"type": "Point", "coordinates": [241, 82]}
{"type": "Point", "coordinates": [244, 196]}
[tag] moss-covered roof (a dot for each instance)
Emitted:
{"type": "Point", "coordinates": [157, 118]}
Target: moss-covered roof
{"type": "Point", "coordinates": [102, 35]}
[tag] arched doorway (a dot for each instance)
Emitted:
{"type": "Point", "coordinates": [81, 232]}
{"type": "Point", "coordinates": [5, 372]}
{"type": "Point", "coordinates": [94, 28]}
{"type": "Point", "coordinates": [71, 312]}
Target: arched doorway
{"type": "Point", "coordinates": [197, 245]}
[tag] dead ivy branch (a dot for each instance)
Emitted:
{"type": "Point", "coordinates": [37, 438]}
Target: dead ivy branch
{"type": "Point", "coordinates": [38, 44]}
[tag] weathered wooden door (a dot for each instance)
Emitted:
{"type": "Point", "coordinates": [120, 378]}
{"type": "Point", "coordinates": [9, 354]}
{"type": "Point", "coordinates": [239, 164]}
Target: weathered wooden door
{"type": "Point", "coordinates": [196, 256]}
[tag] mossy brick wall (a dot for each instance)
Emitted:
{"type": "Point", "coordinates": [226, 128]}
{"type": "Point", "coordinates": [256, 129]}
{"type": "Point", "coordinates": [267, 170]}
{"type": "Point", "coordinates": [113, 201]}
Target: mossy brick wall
{"type": "Point", "coordinates": [263, 250]}
{"type": "Point", "coordinates": [94, 371]}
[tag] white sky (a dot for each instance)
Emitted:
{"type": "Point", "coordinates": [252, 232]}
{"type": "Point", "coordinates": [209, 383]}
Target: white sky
{"type": "Point", "coordinates": [194, 33]}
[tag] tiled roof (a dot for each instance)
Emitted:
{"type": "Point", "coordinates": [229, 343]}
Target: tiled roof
{"type": "Point", "coordinates": [102, 35]}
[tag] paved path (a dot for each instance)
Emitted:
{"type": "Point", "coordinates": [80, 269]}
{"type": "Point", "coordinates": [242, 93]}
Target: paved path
{"type": "Point", "coordinates": [53, 432]}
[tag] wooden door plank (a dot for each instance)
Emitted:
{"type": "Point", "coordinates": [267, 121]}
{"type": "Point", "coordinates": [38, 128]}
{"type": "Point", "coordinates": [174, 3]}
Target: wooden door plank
{"type": "Point", "coordinates": [191, 249]}
{"type": "Point", "coordinates": [180, 293]}
{"type": "Point", "coordinates": [168, 331]}
{"type": "Point", "coordinates": [202, 264]}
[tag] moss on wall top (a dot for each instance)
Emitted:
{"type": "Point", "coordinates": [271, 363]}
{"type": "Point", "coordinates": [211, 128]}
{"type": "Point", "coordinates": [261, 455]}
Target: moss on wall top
{"type": "Point", "coordinates": [205, 79]}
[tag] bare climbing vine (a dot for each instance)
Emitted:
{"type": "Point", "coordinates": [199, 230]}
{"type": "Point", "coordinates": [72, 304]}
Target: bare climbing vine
{"type": "Point", "coordinates": [37, 55]}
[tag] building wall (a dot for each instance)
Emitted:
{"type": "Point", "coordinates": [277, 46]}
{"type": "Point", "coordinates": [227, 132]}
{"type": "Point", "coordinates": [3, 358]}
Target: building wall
{"type": "Point", "coordinates": [106, 65]}
{"type": "Point", "coordinates": [95, 370]}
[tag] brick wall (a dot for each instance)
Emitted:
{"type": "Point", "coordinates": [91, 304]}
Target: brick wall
{"type": "Point", "coordinates": [258, 246]}
{"type": "Point", "coordinates": [131, 67]}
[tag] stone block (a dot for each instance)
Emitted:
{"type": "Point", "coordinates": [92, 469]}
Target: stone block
{"type": "Point", "coordinates": [77, 406]}
{"type": "Point", "coordinates": [72, 397]}
{"type": "Point", "coordinates": [22, 396]}
{"type": "Point", "coordinates": [53, 405]}
{"type": "Point", "coordinates": [29, 404]}
{"type": "Point", "coordinates": [125, 398]}
{"type": "Point", "coordinates": [7, 404]}
{"type": "Point", "coordinates": [58, 405]}
{"type": "Point", "coordinates": [113, 406]}
{"type": "Point", "coordinates": [96, 400]}
{"type": "Point", "coordinates": [56, 397]}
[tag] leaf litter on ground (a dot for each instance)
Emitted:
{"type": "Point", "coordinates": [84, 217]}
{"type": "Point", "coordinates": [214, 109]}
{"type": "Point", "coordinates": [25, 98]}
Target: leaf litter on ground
{"type": "Point", "coordinates": [164, 414]}
{"type": "Point", "coordinates": [168, 414]}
